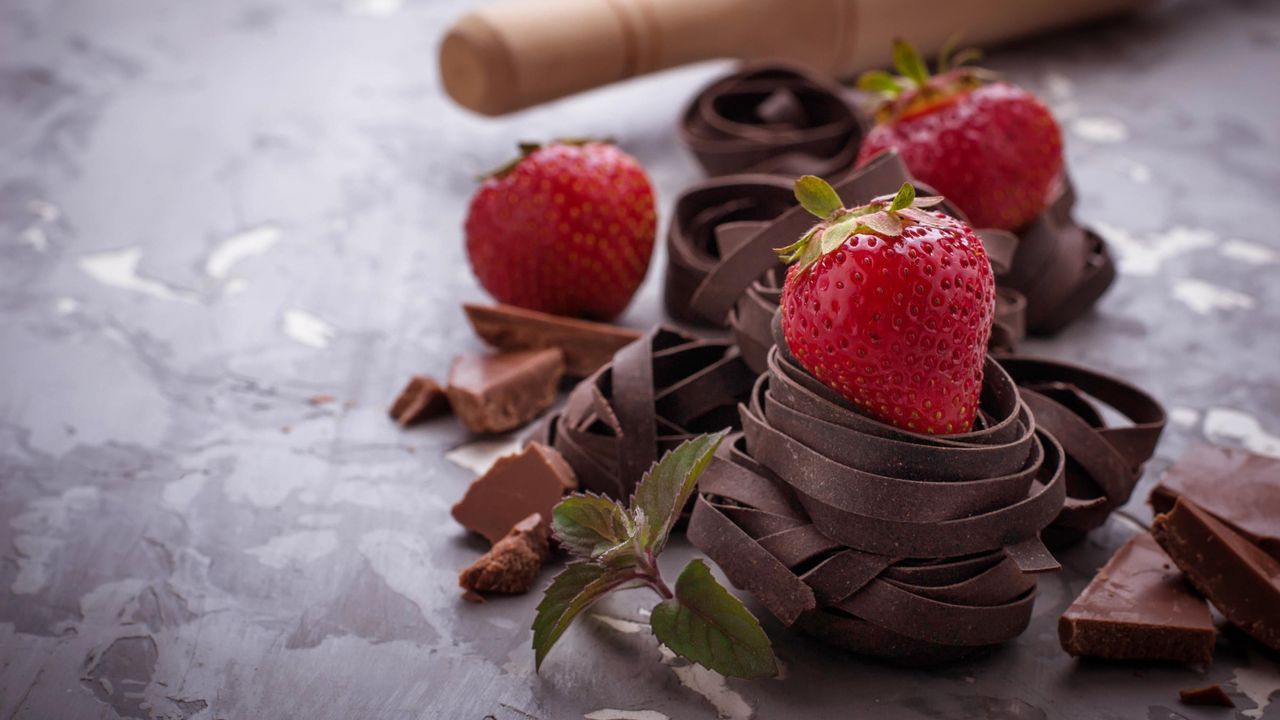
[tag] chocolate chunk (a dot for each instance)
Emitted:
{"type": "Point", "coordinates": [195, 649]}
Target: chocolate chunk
{"type": "Point", "coordinates": [499, 392]}
{"type": "Point", "coordinates": [1236, 486]}
{"type": "Point", "coordinates": [1241, 580]}
{"type": "Point", "coordinates": [1139, 607]}
{"type": "Point", "coordinates": [529, 481]}
{"type": "Point", "coordinates": [1209, 695]}
{"type": "Point", "coordinates": [512, 564]}
{"type": "Point", "coordinates": [422, 399]}
{"type": "Point", "coordinates": [586, 345]}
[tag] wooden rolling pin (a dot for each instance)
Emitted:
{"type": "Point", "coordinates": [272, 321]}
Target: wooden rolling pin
{"type": "Point", "coordinates": [511, 55]}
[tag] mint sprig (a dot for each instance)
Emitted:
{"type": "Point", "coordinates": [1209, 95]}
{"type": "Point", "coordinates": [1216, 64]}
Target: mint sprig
{"type": "Point", "coordinates": [616, 548]}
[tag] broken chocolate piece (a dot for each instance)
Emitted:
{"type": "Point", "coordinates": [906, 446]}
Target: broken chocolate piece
{"type": "Point", "coordinates": [1236, 486]}
{"type": "Point", "coordinates": [422, 399]}
{"type": "Point", "coordinates": [1239, 579]}
{"type": "Point", "coordinates": [499, 392]}
{"type": "Point", "coordinates": [512, 564]}
{"type": "Point", "coordinates": [1139, 607]}
{"type": "Point", "coordinates": [586, 345]}
{"type": "Point", "coordinates": [531, 480]}
{"type": "Point", "coordinates": [1212, 695]}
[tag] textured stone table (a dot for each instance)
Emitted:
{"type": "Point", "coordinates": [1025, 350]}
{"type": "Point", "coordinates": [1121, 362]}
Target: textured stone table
{"type": "Point", "coordinates": [214, 214]}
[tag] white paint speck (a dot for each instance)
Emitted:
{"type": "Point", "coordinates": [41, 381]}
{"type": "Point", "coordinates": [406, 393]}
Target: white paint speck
{"type": "Point", "coordinates": [480, 455]}
{"type": "Point", "coordinates": [234, 286]}
{"type": "Point", "coordinates": [46, 211]}
{"type": "Point", "coordinates": [374, 8]}
{"type": "Point", "coordinates": [38, 535]}
{"type": "Point", "coordinates": [119, 269]}
{"type": "Point", "coordinates": [296, 548]}
{"type": "Point", "coordinates": [1099, 129]}
{"type": "Point", "coordinates": [305, 328]}
{"type": "Point", "coordinates": [1229, 425]}
{"type": "Point", "coordinates": [1258, 682]}
{"type": "Point", "coordinates": [317, 520]}
{"type": "Point", "coordinates": [1058, 86]}
{"type": "Point", "coordinates": [1139, 173]}
{"type": "Point", "coordinates": [709, 684]}
{"type": "Point", "coordinates": [629, 627]}
{"type": "Point", "coordinates": [254, 241]}
{"type": "Point", "coordinates": [66, 305]}
{"type": "Point", "coordinates": [613, 714]}
{"type": "Point", "coordinates": [1206, 298]}
{"type": "Point", "coordinates": [1145, 255]}
{"type": "Point", "coordinates": [1247, 252]}
{"type": "Point", "coordinates": [1184, 417]}
{"type": "Point", "coordinates": [178, 494]}
{"type": "Point", "coordinates": [35, 237]}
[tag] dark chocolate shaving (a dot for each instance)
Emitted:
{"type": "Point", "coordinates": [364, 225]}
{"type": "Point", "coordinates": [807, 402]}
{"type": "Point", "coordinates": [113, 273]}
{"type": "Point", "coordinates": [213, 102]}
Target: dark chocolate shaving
{"type": "Point", "coordinates": [659, 391]}
{"type": "Point", "coordinates": [721, 269]}
{"type": "Point", "coordinates": [771, 118]}
{"type": "Point", "coordinates": [1104, 462]}
{"type": "Point", "coordinates": [914, 547]}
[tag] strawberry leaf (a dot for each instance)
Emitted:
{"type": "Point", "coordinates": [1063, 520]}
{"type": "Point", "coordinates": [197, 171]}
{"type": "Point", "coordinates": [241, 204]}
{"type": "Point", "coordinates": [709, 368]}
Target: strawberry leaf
{"type": "Point", "coordinates": [587, 525]}
{"type": "Point", "coordinates": [665, 489]}
{"type": "Point", "coordinates": [906, 195]}
{"type": "Point", "coordinates": [966, 56]}
{"type": "Point", "coordinates": [817, 196]}
{"type": "Point", "coordinates": [575, 589]}
{"type": "Point", "coordinates": [879, 81]}
{"type": "Point", "coordinates": [711, 627]}
{"type": "Point", "coordinates": [835, 235]}
{"type": "Point", "coordinates": [921, 217]}
{"type": "Point", "coordinates": [927, 201]}
{"type": "Point", "coordinates": [885, 223]}
{"type": "Point", "coordinates": [909, 62]}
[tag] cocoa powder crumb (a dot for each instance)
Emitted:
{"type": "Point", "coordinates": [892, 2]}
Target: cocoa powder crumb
{"type": "Point", "coordinates": [512, 564]}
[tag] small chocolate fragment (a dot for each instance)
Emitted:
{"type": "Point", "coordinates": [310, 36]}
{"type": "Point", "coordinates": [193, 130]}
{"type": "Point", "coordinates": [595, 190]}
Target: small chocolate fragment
{"type": "Point", "coordinates": [586, 345]}
{"type": "Point", "coordinates": [1138, 607]}
{"type": "Point", "coordinates": [1235, 486]}
{"type": "Point", "coordinates": [499, 392]}
{"type": "Point", "coordinates": [531, 480]}
{"type": "Point", "coordinates": [1209, 695]}
{"type": "Point", "coordinates": [512, 564]}
{"type": "Point", "coordinates": [1239, 579]}
{"type": "Point", "coordinates": [422, 399]}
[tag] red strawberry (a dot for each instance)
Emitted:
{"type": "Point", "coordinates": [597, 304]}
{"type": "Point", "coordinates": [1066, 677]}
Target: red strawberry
{"type": "Point", "coordinates": [567, 228]}
{"type": "Point", "coordinates": [992, 148]}
{"type": "Point", "coordinates": [891, 306]}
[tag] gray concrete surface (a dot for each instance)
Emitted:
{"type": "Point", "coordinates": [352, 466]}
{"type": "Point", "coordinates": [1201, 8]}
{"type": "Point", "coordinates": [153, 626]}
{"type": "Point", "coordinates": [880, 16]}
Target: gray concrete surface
{"type": "Point", "coordinates": [212, 212]}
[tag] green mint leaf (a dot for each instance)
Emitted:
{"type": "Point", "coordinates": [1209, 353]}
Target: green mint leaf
{"type": "Point", "coordinates": [575, 589]}
{"type": "Point", "coordinates": [817, 196]}
{"type": "Point", "coordinates": [711, 627]}
{"type": "Point", "coordinates": [909, 62]}
{"type": "Point", "coordinates": [587, 525]}
{"type": "Point", "coordinates": [665, 489]}
{"type": "Point", "coordinates": [879, 81]}
{"type": "Point", "coordinates": [906, 195]}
